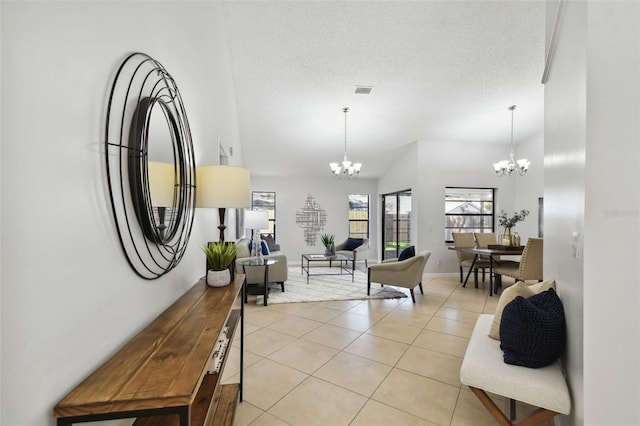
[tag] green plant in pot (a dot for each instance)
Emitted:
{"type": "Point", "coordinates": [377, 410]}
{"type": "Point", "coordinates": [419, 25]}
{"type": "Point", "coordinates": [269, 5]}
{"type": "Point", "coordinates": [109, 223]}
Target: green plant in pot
{"type": "Point", "coordinates": [328, 242]}
{"type": "Point", "coordinates": [220, 255]}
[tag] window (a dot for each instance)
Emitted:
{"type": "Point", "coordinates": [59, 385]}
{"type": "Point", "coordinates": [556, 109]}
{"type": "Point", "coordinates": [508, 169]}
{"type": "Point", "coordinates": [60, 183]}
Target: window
{"type": "Point", "coordinates": [261, 200]}
{"type": "Point", "coordinates": [468, 210]}
{"type": "Point", "coordinates": [359, 215]}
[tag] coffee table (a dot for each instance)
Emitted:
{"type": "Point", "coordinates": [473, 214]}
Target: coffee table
{"type": "Point", "coordinates": [342, 260]}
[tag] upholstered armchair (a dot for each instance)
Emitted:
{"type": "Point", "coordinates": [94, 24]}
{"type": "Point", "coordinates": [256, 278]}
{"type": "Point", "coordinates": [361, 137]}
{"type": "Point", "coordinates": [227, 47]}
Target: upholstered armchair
{"type": "Point", "coordinates": [399, 273]}
{"type": "Point", "coordinates": [529, 267]}
{"type": "Point", "coordinates": [356, 249]}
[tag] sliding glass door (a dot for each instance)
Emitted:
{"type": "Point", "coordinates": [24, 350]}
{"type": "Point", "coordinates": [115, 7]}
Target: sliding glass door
{"type": "Point", "coordinates": [396, 226]}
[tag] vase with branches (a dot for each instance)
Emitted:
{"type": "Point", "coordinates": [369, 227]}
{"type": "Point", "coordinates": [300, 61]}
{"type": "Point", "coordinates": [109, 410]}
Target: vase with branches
{"type": "Point", "coordinates": [508, 222]}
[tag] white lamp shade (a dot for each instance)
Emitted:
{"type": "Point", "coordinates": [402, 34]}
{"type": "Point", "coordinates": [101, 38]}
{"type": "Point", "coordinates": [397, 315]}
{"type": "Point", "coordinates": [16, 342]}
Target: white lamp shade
{"type": "Point", "coordinates": [222, 187]}
{"type": "Point", "coordinates": [256, 219]}
{"type": "Point", "coordinates": [161, 183]}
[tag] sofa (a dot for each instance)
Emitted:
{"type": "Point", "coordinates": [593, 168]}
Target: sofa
{"type": "Point", "coordinates": [278, 273]}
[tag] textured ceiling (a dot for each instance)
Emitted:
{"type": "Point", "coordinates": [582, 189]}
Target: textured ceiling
{"type": "Point", "coordinates": [441, 70]}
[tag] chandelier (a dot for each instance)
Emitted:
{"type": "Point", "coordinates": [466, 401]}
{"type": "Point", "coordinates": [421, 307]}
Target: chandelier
{"type": "Point", "coordinates": [506, 167]}
{"type": "Point", "coordinates": [348, 168]}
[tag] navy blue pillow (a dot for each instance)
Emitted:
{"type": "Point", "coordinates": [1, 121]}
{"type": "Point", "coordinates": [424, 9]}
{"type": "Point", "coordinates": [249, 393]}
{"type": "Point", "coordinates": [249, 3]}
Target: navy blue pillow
{"type": "Point", "coordinates": [532, 330]}
{"type": "Point", "coordinates": [407, 253]}
{"type": "Point", "coordinates": [352, 244]}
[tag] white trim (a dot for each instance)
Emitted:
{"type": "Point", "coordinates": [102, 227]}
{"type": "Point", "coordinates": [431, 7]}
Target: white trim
{"type": "Point", "coordinates": [553, 41]}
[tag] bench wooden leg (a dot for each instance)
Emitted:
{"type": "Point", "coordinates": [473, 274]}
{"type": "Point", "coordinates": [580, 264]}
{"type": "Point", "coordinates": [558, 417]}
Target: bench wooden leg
{"type": "Point", "coordinates": [537, 416]}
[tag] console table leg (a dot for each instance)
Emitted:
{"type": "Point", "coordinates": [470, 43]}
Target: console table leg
{"type": "Point", "coordinates": [185, 416]}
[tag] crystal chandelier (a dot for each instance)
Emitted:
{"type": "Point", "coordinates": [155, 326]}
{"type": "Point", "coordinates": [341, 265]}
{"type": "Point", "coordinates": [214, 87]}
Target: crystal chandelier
{"type": "Point", "coordinates": [506, 167]}
{"type": "Point", "coordinates": [348, 168]}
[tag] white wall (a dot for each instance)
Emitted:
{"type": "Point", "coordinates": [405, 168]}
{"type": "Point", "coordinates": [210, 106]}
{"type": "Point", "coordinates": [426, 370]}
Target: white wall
{"type": "Point", "coordinates": [612, 208]}
{"type": "Point", "coordinates": [401, 175]}
{"type": "Point", "coordinates": [331, 194]}
{"type": "Point", "coordinates": [68, 296]}
{"type": "Point", "coordinates": [565, 122]}
{"type": "Point", "coordinates": [592, 187]}
{"type": "Point", "coordinates": [530, 187]}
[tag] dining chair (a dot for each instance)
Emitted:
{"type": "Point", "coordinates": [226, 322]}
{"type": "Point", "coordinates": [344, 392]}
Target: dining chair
{"type": "Point", "coordinates": [529, 267]}
{"type": "Point", "coordinates": [465, 260]}
{"type": "Point", "coordinates": [484, 240]}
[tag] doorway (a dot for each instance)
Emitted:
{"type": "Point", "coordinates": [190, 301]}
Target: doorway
{"type": "Point", "coordinates": [396, 223]}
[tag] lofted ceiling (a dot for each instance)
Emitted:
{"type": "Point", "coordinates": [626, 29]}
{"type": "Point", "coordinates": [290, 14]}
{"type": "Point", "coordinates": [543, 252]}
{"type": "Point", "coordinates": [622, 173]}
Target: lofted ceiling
{"type": "Point", "coordinates": [441, 71]}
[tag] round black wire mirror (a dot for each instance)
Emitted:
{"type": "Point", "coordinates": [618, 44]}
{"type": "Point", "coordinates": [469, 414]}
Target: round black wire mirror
{"type": "Point", "coordinates": [150, 166]}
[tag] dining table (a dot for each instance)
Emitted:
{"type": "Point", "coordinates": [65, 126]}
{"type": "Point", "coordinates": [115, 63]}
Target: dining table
{"type": "Point", "coordinates": [490, 252]}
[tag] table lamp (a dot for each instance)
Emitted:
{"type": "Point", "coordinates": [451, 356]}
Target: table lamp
{"type": "Point", "coordinates": [256, 220]}
{"type": "Point", "coordinates": [222, 187]}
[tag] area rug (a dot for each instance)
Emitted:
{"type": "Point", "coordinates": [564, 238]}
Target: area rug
{"type": "Point", "coordinates": [328, 287]}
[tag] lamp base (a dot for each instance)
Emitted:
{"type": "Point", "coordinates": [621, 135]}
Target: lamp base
{"type": "Point", "coordinates": [256, 249]}
{"type": "Point", "coordinates": [221, 227]}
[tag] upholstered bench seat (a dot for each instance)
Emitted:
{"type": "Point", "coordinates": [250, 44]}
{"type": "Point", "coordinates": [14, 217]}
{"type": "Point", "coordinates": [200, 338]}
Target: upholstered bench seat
{"type": "Point", "coordinates": [484, 370]}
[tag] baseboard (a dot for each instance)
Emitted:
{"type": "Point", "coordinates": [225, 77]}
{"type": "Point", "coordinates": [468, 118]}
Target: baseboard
{"type": "Point", "coordinates": [441, 275]}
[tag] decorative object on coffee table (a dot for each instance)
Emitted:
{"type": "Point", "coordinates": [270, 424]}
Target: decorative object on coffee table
{"type": "Point", "coordinates": [509, 222]}
{"type": "Point", "coordinates": [220, 255]}
{"type": "Point", "coordinates": [328, 242]}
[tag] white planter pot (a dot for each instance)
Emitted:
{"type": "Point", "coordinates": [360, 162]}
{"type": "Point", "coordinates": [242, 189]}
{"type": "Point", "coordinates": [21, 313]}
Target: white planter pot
{"type": "Point", "coordinates": [218, 278]}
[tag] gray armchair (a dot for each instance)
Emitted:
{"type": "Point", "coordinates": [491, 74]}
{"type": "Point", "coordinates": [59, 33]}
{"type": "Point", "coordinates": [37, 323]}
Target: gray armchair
{"type": "Point", "coordinates": [356, 249]}
{"type": "Point", "coordinates": [404, 273]}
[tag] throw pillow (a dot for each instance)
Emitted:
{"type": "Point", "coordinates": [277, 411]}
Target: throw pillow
{"type": "Point", "coordinates": [271, 243]}
{"type": "Point", "coordinates": [352, 244]}
{"type": "Point", "coordinates": [510, 293]}
{"type": "Point", "coordinates": [265, 248]}
{"type": "Point", "coordinates": [407, 253]}
{"type": "Point", "coordinates": [533, 330]}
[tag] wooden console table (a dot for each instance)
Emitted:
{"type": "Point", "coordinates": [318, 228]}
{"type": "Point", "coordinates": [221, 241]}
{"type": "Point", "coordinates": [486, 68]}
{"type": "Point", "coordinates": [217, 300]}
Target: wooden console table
{"type": "Point", "coordinates": [161, 375]}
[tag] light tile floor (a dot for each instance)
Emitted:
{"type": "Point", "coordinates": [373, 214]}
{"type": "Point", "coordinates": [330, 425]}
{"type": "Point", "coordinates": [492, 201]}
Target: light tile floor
{"type": "Point", "coordinates": [376, 362]}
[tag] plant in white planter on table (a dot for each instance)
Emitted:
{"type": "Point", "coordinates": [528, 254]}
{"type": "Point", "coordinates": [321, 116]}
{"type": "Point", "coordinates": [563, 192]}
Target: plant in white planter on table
{"type": "Point", "coordinates": [220, 255]}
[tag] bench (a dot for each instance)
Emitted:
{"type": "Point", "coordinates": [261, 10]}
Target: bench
{"type": "Point", "coordinates": [484, 370]}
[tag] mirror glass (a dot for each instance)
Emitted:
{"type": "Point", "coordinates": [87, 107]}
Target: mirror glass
{"type": "Point", "coordinates": [161, 169]}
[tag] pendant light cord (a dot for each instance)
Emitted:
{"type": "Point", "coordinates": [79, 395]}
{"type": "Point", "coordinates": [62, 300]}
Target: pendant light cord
{"type": "Point", "coordinates": [346, 110]}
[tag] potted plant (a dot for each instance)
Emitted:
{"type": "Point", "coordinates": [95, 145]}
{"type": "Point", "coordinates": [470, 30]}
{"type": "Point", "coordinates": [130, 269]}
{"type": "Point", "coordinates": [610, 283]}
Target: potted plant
{"type": "Point", "coordinates": [509, 222]}
{"type": "Point", "coordinates": [220, 255]}
{"type": "Point", "coordinates": [328, 242]}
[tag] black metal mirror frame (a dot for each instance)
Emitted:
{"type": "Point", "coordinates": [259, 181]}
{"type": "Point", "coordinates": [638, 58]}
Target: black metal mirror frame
{"type": "Point", "coordinates": [142, 84]}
